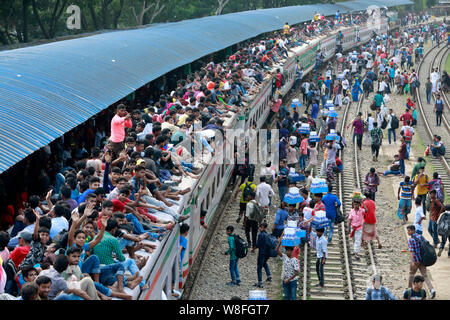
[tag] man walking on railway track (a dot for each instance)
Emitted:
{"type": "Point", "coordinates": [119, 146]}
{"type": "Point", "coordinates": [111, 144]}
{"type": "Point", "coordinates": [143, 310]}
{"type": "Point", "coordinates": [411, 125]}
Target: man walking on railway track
{"type": "Point", "coordinates": [290, 271]}
{"type": "Point", "coordinates": [332, 203]}
{"type": "Point", "coordinates": [416, 258]}
{"type": "Point", "coordinates": [234, 272]}
{"type": "Point", "coordinates": [405, 194]}
{"type": "Point", "coordinates": [376, 135]}
{"type": "Point", "coordinates": [439, 109]}
{"type": "Point", "coordinates": [263, 255]}
{"type": "Point", "coordinates": [322, 255]}
{"type": "Point", "coordinates": [436, 208]}
{"type": "Point", "coordinates": [356, 219]}
{"type": "Point", "coordinates": [245, 189]}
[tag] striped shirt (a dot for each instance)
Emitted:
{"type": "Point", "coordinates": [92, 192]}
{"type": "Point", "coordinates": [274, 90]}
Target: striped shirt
{"type": "Point", "coordinates": [406, 191]}
{"type": "Point", "coordinates": [105, 249]}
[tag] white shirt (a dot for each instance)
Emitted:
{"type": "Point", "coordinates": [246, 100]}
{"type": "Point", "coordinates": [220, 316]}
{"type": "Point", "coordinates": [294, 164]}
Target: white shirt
{"type": "Point", "coordinates": [321, 247]}
{"type": "Point", "coordinates": [419, 215]}
{"type": "Point", "coordinates": [370, 122]}
{"type": "Point", "coordinates": [409, 128]}
{"type": "Point", "coordinates": [266, 171]}
{"type": "Point", "coordinates": [345, 84]}
{"type": "Point", "coordinates": [263, 192]}
{"type": "Point", "coordinates": [58, 224]}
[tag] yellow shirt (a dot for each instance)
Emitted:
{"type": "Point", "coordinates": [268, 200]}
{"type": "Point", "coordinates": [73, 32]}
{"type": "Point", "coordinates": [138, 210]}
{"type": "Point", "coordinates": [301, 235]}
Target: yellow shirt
{"type": "Point", "coordinates": [422, 180]}
{"type": "Point", "coordinates": [286, 29]}
{"type": "Point", "coordinates": [182, 119]}
{"type": "Point", "coordinates": [242, 187]}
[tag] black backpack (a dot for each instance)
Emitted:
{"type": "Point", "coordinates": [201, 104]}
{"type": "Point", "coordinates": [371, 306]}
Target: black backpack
{"type": "Point", "coordinates": [247, 190]}
{"type": "Point", "coordinates": [241, 246]}
{"type": "Point", "coordinates": [394, 122]}
{"type": "Point", "coordinates": [427, 253]}
{"type": "Point", "coordinates": [61, 239]}
{"type": "Point", "coordinates": [384, 123]}
{"type": "Point", "coordinates": [339, 216]}
{"type": "Point", "coordinates": [271, 244]}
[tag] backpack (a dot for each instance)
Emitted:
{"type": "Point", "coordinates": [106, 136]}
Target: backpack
{"type": "Point", "coordinates": [394, 122]}
{"type": "Point", "coordinates": [428, 255]}
{"type": "Point", "coordinates": [269, 178]}
{"type": "Point", "coordinates": [271, 244]}
{"type": "Point", "coordinates": [61, 239]}
{"type": "Point", "coordinates": [437, 187]}
{"type": "Point", "coordinates": [339, 217]}
{"type": "Point", "coordinates": [409, 293]}
{"type": "Point", "coordinates": [11, 286]}
{"type": "Point", "coordinates": [384, 124]}
{"type": "Point", "coordinates": [443, 224]}
{"type": "Point", "coordinates": [241, 246]}
{"type": "Point", "coordinates": [407, 134]}
{"type": "Point", "coordinates": [247, 190]}
{"type": "Point", "coordinates": [258, 213]}
{"type": "Point", "coordinates": [242, 169]}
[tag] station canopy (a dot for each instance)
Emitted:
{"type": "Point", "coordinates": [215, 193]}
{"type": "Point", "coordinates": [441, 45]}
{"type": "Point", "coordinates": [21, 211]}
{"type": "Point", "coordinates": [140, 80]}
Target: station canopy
{"type": "Point", "coordinates": [47, 90]}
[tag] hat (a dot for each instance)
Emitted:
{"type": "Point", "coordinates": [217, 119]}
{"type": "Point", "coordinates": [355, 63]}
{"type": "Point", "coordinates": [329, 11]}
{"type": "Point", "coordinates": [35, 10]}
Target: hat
{"type": "Point", "coordinates": [140, 161]}
{"type": "Point", "coordinates": [25, 235]}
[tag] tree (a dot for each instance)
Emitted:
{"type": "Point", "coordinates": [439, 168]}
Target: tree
{"type": "Point", "coordinates": [156, 8]}
{"type": "Point", "coordinates": [222, 4]}
{"type": "Point", "coordinates": [48, 14]}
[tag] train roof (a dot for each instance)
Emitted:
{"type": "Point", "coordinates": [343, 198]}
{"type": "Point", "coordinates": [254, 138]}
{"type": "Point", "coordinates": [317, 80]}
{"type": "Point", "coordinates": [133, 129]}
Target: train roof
{"type": "Point", "coordinates": [49, 89]}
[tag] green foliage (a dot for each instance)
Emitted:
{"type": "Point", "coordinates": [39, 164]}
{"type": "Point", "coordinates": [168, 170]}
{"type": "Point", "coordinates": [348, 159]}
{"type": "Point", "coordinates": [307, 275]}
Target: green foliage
{"type": "Point", "coordinates": [29, 20]}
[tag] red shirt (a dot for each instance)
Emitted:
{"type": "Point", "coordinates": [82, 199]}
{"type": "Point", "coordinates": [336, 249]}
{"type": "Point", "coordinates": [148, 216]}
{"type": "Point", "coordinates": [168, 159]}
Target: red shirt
{"type": "Point", "coordinates": [369, 216]}
{"type": "Point", "coordinates": [119, 205]}
{"type": "Point", "coordinates": [278, 83]}
{"type": "Point", "coordinates": [402, 151]}
{"type": "Point", "coordinates": [19, 254]}
{"type": "Point", "coordinates": [405, 117]}
{"type": "Point", "coordinates": [276, 105]}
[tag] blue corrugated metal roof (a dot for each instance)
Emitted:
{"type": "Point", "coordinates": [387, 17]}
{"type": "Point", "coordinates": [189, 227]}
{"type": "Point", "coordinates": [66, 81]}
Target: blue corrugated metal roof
{"type": "Point", "coordinates": [47, 90]}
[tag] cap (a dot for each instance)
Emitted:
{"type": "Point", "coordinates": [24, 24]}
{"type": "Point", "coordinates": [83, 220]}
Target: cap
{"type": "Point", "coordinates": [140, 161]}
{"type": "Point", "coordinates": [25, 235]}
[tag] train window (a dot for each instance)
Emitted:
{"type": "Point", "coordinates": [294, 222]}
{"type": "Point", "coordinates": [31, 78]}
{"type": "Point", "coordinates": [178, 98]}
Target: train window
{"type": "Point", "coordinates": [218, 177]}
{"type": "Point", "coordinates": [214, 186]}
{"type": "Point", "coordinates": [207, 201]}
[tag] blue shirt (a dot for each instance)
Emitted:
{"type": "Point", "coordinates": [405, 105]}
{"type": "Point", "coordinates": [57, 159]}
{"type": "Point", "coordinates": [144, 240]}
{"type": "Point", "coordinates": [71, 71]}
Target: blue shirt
{"type": "Point", "coordinates": [183, 245]}
{"type": "Point", "coordinates": [330, 200]}
{"type": "Point", "coordinates": [374, 294]}
{"type": "Point", "coordinates": [82, 197]}
{"type": "Point", "coordinates": [280, 218]}
{"type": "Point", "coordinates": [261, 243]}
{"type": "Point", "coordinates": [284, 174]}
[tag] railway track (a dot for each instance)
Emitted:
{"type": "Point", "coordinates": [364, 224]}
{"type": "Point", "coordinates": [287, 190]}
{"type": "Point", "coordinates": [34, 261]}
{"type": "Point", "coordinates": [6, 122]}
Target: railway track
{"type": "Point", "coordinates": [426, 119]}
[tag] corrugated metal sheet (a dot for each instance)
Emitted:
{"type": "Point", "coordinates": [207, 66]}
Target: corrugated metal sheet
{"type": "Point", "coordinates": [47, 90]}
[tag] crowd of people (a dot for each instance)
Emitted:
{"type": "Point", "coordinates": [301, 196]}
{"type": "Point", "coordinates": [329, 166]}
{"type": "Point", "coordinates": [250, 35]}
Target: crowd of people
{"type": "Point", "coordinates": [99, 198]}
{"type": "Point", "coordinates": [389, 70]}
{"type": "Point", "coordinates": [83, 236]}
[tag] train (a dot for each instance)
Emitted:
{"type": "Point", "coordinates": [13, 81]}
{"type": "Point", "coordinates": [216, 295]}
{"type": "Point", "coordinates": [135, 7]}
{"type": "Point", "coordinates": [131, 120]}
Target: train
{"type": "Point", "coordinates": [164, 268]}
